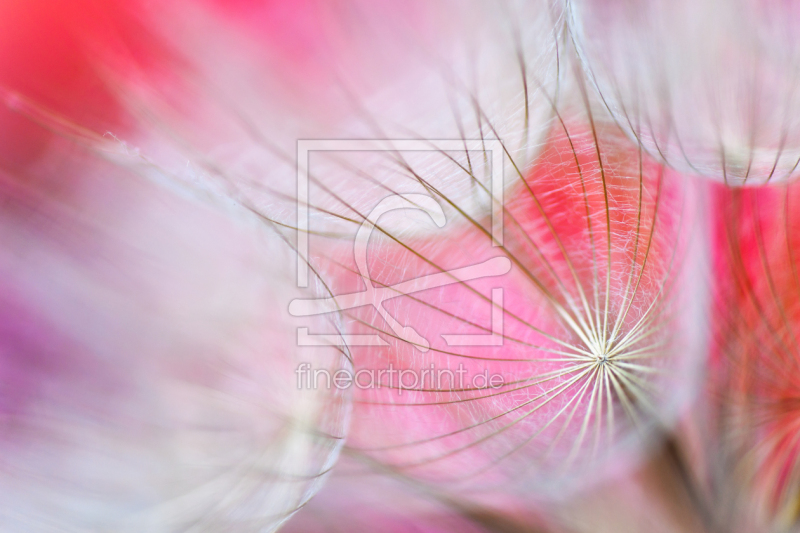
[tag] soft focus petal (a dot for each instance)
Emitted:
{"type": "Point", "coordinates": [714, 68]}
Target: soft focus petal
{"type": "Point", "coordinates": [147, 362]}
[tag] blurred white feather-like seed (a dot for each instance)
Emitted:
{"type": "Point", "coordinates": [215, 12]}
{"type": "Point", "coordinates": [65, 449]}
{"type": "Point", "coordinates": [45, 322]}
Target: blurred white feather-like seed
{"type": "Point", "coordinates": [709, 87]}
{"type": "Point", "coordinates": [603, 333]}
{"type": "Point", "coordinates": [148, 361]}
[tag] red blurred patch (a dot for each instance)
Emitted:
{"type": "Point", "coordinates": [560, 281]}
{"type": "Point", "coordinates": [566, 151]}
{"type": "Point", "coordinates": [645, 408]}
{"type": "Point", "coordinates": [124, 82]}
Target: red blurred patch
{"type": "Point", "coordinates": [756, 375]}
{"type": "Point", "coordinates": [56, 54]}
